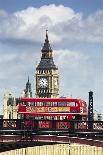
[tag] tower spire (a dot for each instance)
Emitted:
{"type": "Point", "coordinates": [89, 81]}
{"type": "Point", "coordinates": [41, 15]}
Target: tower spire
{"type": "Point", "coordinates": [28, 79]}
{"type": "Point", "coordinates": [47, 55]}
{"type": "Point", "coordinates": [28, 92]}
{"type": "Point", "coordinates": [47, 75]}
{"type": "Point", "coordinates": [46, 47]}
{"type": "Point", "coordinates": [46, 35]}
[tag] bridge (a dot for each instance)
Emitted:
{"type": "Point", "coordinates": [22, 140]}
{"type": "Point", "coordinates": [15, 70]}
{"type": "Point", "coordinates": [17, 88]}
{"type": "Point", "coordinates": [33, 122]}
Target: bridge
{"type": "Point", "coordinates": [19, 134]}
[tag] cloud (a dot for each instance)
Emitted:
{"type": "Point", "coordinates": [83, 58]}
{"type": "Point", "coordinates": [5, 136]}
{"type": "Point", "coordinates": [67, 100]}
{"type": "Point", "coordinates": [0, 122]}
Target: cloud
{"type": "Point", "coordinates": [62, 22]}
{"type": "Point", "coordinates": [69, 59]}
{"type": "Point", "coordinates": [28, 23]}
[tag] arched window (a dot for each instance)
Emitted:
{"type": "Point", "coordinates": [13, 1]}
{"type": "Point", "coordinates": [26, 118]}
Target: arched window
{"type": "Point", "coordinates": [9, 115]}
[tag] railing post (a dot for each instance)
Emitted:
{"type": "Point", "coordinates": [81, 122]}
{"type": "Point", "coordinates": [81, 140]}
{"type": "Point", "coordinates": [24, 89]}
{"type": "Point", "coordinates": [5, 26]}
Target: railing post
{"type": "Point", "coordinates": [90, 111]}
{"type": "Point", "coordinates": [72, 126]}
{"type": "Point", "coordinates": [53, 124]}
{"type": "Point", "coordinates": [36, 126]}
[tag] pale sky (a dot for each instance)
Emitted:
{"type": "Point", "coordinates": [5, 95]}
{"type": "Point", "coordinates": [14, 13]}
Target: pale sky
{"type": "Point", "coordinates": [75, 30]}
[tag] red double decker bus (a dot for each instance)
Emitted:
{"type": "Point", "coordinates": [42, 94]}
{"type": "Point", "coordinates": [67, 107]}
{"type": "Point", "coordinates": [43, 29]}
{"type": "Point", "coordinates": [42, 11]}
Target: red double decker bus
{"type": "Point", "coordinates": [46, 109]}
{"type": "Point", "coordinates": [53, 108]}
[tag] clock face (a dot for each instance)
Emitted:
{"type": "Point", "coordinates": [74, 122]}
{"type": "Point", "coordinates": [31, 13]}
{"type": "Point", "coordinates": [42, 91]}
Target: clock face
{"type": "Point", "coordinates": [43, 83]}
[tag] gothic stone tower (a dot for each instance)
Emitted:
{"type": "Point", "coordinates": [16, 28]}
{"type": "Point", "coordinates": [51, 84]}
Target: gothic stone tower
{"type": "Point", "coordinates": [47, 76]}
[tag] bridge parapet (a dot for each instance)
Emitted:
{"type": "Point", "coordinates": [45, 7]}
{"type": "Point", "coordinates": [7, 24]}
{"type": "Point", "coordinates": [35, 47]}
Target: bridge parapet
{"type": "Point", "coordinates": [49, 125]}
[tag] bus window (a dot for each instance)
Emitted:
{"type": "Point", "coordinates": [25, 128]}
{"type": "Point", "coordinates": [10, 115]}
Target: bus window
{"type": "Point", "coordinates": [62, 104]}
{"type": "Point", "coordinates": [74, 104]}
{"type": "Point", "coordinates": [54, 103]}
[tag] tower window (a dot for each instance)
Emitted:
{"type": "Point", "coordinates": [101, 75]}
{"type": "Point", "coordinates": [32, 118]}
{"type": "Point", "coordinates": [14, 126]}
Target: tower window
{"type": "Point", "coordinates": [9, 115]}
{"type": "Point", "coordinates": [44, 55]}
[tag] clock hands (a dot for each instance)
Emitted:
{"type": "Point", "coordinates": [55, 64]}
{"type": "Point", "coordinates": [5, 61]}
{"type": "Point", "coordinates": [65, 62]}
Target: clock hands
{"type": "Point", "coordinates": [43, 82]}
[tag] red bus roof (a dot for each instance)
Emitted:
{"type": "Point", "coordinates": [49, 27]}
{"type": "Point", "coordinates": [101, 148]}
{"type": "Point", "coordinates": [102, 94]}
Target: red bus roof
{"type": "Point", "coordinates": [51, 100]}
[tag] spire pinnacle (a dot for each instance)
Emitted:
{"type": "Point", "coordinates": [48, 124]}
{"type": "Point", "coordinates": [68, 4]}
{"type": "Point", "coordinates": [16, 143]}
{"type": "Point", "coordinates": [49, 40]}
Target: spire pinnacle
{"type": "Point", "coordinates": [47, 35]}
{"type": "Point", "coordinates": [28, 79]}
{"type": "Point", "coordinates": [28, 88]}
{"type": "Point", "coordinates": [46, 47]}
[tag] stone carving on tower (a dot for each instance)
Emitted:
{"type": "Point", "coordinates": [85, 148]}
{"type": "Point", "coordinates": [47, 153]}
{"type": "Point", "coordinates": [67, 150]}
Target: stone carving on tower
{"type": "Point", "coordinates": [47, 75]}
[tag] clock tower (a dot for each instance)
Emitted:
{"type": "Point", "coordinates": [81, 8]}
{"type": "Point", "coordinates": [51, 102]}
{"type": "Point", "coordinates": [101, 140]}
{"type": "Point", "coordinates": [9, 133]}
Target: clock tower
{"type": "Point", "coordinates": [47, 76]}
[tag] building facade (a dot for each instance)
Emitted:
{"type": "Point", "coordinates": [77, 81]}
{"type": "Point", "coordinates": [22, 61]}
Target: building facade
{"type": "Point", "coordinates": [10, 102]}
{"type": "Point", "coordinates": [47, 75]}
{"type": "Point", "coordinates": [9, 106]}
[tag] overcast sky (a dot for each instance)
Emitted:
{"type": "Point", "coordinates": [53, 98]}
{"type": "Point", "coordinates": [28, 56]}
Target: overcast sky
{"type": "Point", "coordinates": [76, 37]}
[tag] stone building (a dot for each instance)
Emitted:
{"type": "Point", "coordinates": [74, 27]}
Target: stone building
{"type": "Point", "coordinates": [9, 106]}
{"type": "Point", "coordinates": [47, 75]}
{"type": "Point", "coordinates": [10, 102]}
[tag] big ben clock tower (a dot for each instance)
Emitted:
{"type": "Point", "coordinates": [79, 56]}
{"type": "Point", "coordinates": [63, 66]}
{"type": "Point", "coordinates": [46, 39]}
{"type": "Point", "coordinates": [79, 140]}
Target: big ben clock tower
{"type": "Point", "coordinates": [47, 76]}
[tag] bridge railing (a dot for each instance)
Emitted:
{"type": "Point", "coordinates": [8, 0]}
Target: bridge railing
{"type": "Point", "coordinates": [34, 126]}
